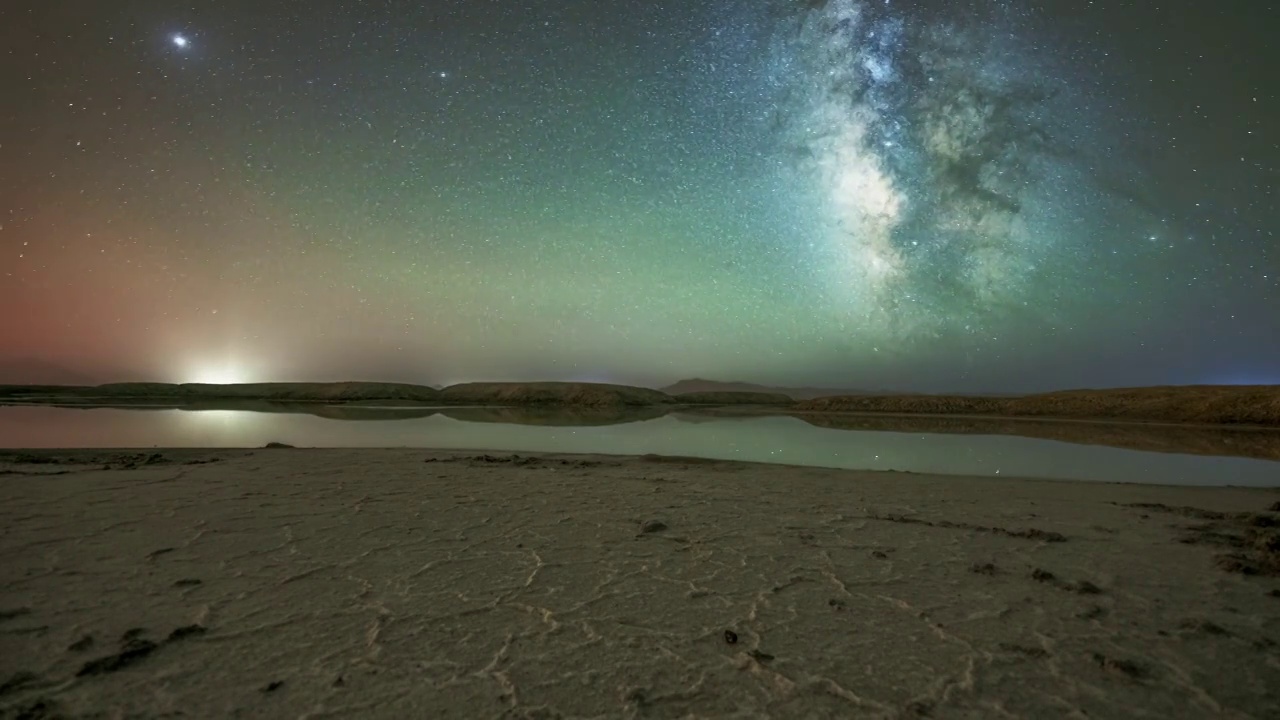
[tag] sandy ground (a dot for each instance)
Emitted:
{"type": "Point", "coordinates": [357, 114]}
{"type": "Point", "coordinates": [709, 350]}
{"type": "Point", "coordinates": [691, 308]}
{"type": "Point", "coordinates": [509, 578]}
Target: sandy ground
{"type": "Point", "coordinates": [409, 583]}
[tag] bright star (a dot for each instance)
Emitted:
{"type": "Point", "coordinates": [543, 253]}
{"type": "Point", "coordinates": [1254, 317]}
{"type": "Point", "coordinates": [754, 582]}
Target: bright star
{"type": "Point", "coordinates": [180, 41]}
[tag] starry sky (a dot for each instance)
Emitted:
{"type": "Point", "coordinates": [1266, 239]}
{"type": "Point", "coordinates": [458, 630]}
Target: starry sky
{"type": "Point", "coordinates": [916, 195]}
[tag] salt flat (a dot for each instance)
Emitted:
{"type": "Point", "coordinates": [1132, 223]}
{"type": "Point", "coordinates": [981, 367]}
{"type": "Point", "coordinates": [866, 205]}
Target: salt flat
{"type": "Point", "coordinates": [409, 583]}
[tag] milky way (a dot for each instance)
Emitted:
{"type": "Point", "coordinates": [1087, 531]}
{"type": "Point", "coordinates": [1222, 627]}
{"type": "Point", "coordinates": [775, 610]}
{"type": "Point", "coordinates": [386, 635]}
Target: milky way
{"type": "Point", "coordinates": [923, 194]}
{"type": "Point", "coordinates": [930, 146]}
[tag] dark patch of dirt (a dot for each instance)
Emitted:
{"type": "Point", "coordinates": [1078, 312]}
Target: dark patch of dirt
{"type": "Point", "coordinates": [1084, 587]}
{"type": "Point", "coordinates": [16, 682]}
{"type": "Point", "coordinates": [12, 613]}
{"type": "Point", "coordinates": [39, 709]}
{"type": "Point", "coordinates": [187, 631]}
{"type": "Point", "coordinates": [681, 460]}
{"type": "Point", "coordinates": [1027, 534]}
{"type": "Point", "coordinates": [82, 644]}
{"type": "Point", "coordinates": [133, 651]}
{"type": "Point", "coordinates": [1183, 510]}
{"type": "Point", "coordinates": [1093, 612]}
{"type": "Point", "coordinates": [1127, 668]}
{"type": "Point", "coordinates": [1253, 539]}
{"type": "Point", "coordinates": [1202, 626]}
{"type": "Point", "coordinates": [1027, 651]}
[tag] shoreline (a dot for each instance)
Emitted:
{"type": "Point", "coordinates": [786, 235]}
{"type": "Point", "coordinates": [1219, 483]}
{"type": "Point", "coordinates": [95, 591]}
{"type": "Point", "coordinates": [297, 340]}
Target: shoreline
{"type": "Point", "coordinates": [389, 582]}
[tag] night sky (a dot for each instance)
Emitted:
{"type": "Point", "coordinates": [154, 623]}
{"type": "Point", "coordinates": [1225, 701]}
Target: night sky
{"type": "Point", "coordinates": [904, 195]}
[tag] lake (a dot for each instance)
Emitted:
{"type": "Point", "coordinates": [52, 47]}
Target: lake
{"type": "Point", "coordinates": [774, 439]}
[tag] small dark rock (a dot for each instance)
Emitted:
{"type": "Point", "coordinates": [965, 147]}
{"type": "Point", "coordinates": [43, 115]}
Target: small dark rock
{"type": "Point", "coordinates": [1274, 593]}
{"type": "Point", "coordinates": [837, 604]}
{"type": "Point", "coordinates": [652, 526]}
{"type": "Point", "coordinates": [1092, 612]}
{"type": "Point", "coordinates": [273, 686]}
{"type": "Point", "coordinates": [157, 553]}
{"type": "Point", "coordinates": [1084, 587]}
{"type": "Point", "coordinates": [132, 634]}
{"type": "Point", "coordinates": [983, 568]}
{"type": "Point", "coordinates": [730, 637]}
{"type": "Point", "coordinates": [82, 644]}
{"type": "Point", "coordinates": [1042, 575]}
{"type": "Point", "coordinates": [188, 582]}
{"type": "Point", "coordinates": [879, 555]}
{"type": "Point", "coordinates": [187, 631]}
{"type": "Point", "coordinates": [339, 682]}
{"type": "Point", "coordinates": [760, 656]}
{"type": "Point", "coordinates": [1275, 506]}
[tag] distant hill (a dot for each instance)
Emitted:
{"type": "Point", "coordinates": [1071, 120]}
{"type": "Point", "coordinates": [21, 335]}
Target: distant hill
{"type": "Point", "coordinates": [699, 385]}
{"type": "Point", "coordinates": [733, 398]}
{"type": "Point", "coordinates": [552, 393]}
{"type": "Point", "coordinates": [33, 371]}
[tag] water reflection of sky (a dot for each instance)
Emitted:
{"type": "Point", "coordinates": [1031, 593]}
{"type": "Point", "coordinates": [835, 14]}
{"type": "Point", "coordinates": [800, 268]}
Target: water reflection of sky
{"type": "Point", "coordinates": [767, 439]}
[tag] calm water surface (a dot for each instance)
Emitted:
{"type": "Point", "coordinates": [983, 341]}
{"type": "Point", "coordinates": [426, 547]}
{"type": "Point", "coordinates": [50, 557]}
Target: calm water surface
{"type": "Point", "coordinates": [764, 439]}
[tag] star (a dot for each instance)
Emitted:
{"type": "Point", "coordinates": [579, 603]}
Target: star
{"type": "Point", "coordinates": [180, 40]}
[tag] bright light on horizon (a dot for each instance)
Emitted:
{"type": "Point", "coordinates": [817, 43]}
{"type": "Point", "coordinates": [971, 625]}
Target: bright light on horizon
{"type": "Point", "coordinates": [180, 40]}
{"type": "Point", "coordinates": [219, 375]}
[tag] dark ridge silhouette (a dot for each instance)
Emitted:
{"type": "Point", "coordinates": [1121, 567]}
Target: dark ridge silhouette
{"type": "Point", "coordinates": [733, 398]}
